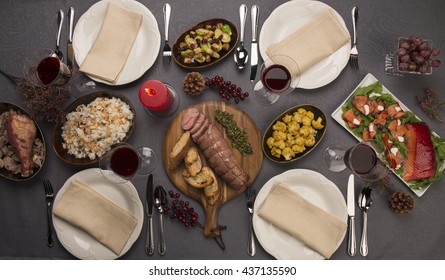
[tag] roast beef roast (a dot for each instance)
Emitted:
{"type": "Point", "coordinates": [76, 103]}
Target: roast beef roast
{"type": "Point", "coordinates": [217, 149]}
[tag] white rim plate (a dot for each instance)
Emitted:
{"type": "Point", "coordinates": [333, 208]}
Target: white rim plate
{"type": "Point", "coordinates": [314, 187]}
{"type": "Point", "coordinates": [288, 18]}
{"type": "Point", "coordinates": [79, 243]}
{"type": "Point", "coordinates": [145, 48]}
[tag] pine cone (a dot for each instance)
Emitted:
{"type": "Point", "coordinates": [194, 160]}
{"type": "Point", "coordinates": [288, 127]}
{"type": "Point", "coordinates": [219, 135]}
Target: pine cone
{"type": "Point", "coordinates": [194, 83]}
{"type": "Point", "coordinates": [401, 202]}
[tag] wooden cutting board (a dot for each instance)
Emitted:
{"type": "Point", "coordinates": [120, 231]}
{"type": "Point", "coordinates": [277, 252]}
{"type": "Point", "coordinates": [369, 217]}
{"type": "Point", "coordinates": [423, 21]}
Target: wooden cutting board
{"type": "Point", "coordinates": [251, 164]}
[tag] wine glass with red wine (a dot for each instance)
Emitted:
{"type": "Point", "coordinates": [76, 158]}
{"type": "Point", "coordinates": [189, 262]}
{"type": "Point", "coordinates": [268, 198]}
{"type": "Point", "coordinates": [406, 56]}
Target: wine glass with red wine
{"type": "Point", "coordinates": [279, 75]}
{"type": "Point", "coordinates": [123, 162]}
{"type": "Point", "coordinates": [361, 159]}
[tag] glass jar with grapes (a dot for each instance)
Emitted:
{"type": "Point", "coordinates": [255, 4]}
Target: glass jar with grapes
{"type": "Point", "coordinates": [416, 55]}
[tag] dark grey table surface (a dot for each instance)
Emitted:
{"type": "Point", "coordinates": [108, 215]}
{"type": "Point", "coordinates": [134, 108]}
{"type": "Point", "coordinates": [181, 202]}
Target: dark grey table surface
{"type": "Point", "coordinates": [28, 25]}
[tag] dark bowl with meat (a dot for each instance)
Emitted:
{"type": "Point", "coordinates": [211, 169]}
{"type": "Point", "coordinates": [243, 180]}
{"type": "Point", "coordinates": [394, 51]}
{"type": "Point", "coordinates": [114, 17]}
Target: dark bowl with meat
{"type": "Point", "coordinates": [319, 133]}
{"type": "Point", "coordinates": [205, 44]}
{"type": "Point", "coordinates": [24, 159]}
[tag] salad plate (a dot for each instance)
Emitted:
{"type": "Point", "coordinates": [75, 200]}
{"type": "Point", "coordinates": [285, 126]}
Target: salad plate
{"type": "Point", "coordinates": [315, 188]}
{"type": "Point", "coordinates": [145, 49]}
{"type": "Point", "coordinates": [290, 17]}
{"type": "Point", "coordinates": [371, 87]}
{"type": "Point", "coordinates": [81, 244]}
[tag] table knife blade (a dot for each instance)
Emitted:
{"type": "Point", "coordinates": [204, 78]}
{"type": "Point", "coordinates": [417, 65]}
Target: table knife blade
{"type": "Point", "coordinates": [149, 242]}
{"type": "Point", "coordinates": [254, 46]}
{"type": "Point", "coordinates": [351, 216]}
{"type": "Point", "coordinates": [69, 45]}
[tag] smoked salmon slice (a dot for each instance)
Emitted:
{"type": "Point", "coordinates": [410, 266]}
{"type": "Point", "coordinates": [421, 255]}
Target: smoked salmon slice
{"type": "Point", "coordinates": [421, 158]}
{"type": "Point", "coordinates": [364, 104]}
{"type": "Point", "coordinates": [395, 111]}
{"type": "Point", "coordinates": [352, 119]}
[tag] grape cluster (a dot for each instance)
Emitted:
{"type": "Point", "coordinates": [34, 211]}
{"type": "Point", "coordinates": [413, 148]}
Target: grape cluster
{"type": "Point", "coordinates": [227, 89]}
{"type": "Point", "coordinates": [415, 55]}
{"type": "Point", "coordinates": [181, 211]}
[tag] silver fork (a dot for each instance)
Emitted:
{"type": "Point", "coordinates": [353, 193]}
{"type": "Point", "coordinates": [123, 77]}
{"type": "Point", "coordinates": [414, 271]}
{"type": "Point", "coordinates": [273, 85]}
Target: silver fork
{"type": "Point", "coordinates": [49, 197]}
{"type": "Point", "coordinates": [353, 55]}
{"type": "Point", "coordinates": [250, 197]}
{"type": "Point", "coordinates": [167, 51]}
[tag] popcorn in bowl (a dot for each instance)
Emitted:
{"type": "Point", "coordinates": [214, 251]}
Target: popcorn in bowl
{"type": "Point", "coordinates": [92, 129]}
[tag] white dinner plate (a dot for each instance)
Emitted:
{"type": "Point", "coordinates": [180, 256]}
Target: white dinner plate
{"type": "Point", "coordinates": [81, 244]}
{"type": "Point", "coordinates": [315, 188]}
{"type": "Point", "coordinates": [288, 18]}
{"type": "Point", "coordinates": [145, 49]}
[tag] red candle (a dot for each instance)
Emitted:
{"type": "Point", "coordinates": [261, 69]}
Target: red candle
{"type": "Point", "coordinates": [155, 96]}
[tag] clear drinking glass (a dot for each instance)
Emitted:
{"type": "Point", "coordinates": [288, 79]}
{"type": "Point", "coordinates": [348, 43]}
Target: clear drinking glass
{"type": "Point", "coordinates": [362, 159]}
{"type": "Point", "coordinates": [123, 162]}
{"type": "Point", "coordinates": [279, 75]}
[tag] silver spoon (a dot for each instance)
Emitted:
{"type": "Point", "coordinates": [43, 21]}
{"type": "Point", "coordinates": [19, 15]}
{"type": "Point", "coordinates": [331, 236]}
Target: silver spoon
{"type": "Point", "coordinates": [57, 52]}
{"type": "Point", "coordinates": [160, 196]}
{"type": "Point", "coordinates": [241, 55]}
{"type": "Point", "coordinates": [364, 203]}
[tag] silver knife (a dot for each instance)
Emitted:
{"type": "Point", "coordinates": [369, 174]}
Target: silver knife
{"type": "Point", "coordinates": [69, 45]}
{"type": "Point", "coordinates": [254, 46]}
{"type": "Point", "coordinates": [351, 217]}
{"type": "Point", "coordinates": [149, 243]}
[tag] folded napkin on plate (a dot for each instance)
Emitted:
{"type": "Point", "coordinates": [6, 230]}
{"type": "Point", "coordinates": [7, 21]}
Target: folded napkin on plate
{"type": "Point", "coordinates": [315, 41]}
{"type": "Point", "coordinates": [107, 57]}
{"type": "Point", "coordinates": [290, 212]}
{"type": "Point", "coordinates": [87, 209]}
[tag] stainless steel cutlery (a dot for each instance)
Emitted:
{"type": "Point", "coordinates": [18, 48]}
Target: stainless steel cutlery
{"type": "Point", "coordinates": [160, 197]}
{"type": "Point", "coordinates": [353, 55]}
{"type": "Point", "coordinates": [241, 55]}
{"type": "Point", "coordinates": [351, 216]}
{"type": "Point", "coordinates": [49, 197]}
{"type": "Point", "coordinates": [69, 45]}
{"type": "Point", "coordinates": [149, 243]}
{"type": "Point", "coordinates": [60, 17]}
{"type": "Point", "coordinates": [254, 46]}
{"type": "Point", "coordinates": [250, 199]}
{"type": "Point", "coordinates": [365, 202]}
{"type": "Point", "coordinates": [167, 51]}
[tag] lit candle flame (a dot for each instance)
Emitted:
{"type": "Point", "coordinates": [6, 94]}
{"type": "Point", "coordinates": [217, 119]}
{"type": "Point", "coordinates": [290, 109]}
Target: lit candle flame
{"type": "Point", "coordinates": [150, 91]}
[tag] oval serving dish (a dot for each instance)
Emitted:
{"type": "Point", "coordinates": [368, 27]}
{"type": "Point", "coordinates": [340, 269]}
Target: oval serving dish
{"type": "Point", "coordinates": [176, 53]}
{"type": "Point", "coordinates": [4, 107]}
{"type": "Point", "coordinates": [57, 140]}
{"type": "Point", "coordinates": [318, 136]}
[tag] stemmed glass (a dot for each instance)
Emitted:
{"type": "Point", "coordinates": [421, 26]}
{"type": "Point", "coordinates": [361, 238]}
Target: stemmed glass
{"type": "Point", "coordinates": [123, 162]}
{"type": "Point", "coordinates": [279, 75]}
{"type": "Point", "coordinates": [361, 159]}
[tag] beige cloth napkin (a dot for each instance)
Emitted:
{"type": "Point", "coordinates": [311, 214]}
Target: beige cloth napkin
{"type": "Point", "coordinates": [290, 212]}
{"type": "Point", "coordinates": [315, 41]}
{"type": "Point", "coordinates": [107, 57]}
{"type": "Point", "coordinates": [87, 209]}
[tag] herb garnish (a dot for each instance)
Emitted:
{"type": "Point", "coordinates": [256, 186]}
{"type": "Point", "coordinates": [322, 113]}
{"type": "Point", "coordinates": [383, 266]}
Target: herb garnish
{"type": "Point", "coordinates": [237, 136]}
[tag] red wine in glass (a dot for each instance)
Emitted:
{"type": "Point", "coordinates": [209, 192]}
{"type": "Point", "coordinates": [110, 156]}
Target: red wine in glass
{"type": "Point", "coordinates": [361, 159]}
{"type": "Point", "coordinates": [276, 78]}
{"type": "Point", "coordinates": [124, 161]}
{"type": "Point", "coordinates": [48, 70]}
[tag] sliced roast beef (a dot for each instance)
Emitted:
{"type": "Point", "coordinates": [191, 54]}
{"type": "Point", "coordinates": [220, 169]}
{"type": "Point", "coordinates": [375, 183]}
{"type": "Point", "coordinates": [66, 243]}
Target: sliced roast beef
{"type": "Point", "coordinates": [189, 118]}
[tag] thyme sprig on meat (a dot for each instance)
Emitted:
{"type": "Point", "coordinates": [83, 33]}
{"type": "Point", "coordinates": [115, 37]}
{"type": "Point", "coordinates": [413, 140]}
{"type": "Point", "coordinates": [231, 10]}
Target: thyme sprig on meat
{"type": "Point", "coordinates": [237, 136]}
